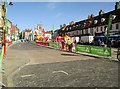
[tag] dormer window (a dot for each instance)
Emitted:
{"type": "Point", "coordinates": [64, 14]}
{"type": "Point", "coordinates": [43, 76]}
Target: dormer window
{"type": "Point", "coordinates": [73, 25]}
{"type": "Point", "coordinates": [102, 19]}
{"type": "Point", "coordinates": [84, 24]}
{"type": "Point", "coordinates": [66, 28]}
{"type": "Point", "coordinates": [89, 22]}
{"type": "Point", "coordinates": [113, 17]}
{"type": "Point", "coordinates": [95, 21]}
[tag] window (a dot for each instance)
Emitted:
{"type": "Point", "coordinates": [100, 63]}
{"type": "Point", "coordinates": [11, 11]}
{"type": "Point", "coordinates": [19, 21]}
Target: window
{"type": "Point", "coordinates": [101, 28]}
{"type": "Point", "coordinates": [117, 26]}
{"type": "Point", "coordinates": [97, 29]}
{"type": "Point", "coordinates": [91, 30]}
{"type": "Point", "coordinates": [82, 32]}
{"type": "Point", "coordinates": [86, 31]}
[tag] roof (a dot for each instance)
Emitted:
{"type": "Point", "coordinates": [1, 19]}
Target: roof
{"type": "Point", "coordinates": [89, 23]}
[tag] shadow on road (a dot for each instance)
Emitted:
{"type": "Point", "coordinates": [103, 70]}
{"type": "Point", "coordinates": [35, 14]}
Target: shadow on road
{"type": "Point", "coordinates": [66, 54]}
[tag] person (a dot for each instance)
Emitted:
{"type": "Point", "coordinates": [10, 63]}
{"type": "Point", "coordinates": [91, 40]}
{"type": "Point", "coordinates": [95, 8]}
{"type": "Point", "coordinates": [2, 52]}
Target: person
{"type": "Point", "coordinates": [63, 44]}
{"type": "Point", "coordinates": [57, 43]}
{"type": "Point", "coordinates": [74, 46]}
{"type": "Point", "coordinates": [99, 42]}
{"type": "Point", "coordinates": [69, 44]}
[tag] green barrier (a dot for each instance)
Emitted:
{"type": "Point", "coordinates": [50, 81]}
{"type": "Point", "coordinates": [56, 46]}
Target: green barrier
{"type": "Point", "coordinates": [101, 51]}
{"type": "Point", "coordinates": [33, 42]}
{"type": "Point", "coordinates": [52, 44]}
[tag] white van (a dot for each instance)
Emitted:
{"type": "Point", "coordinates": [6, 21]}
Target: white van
{"type": "Point", "coordinates": [87, 39]}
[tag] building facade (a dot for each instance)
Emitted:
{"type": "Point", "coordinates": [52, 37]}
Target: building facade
{"type": "Point", "coordinates": [27, 33]}
{"type": "Point", "coordinates": [93, 25]}
{"type": "Point", "coordinates": [15, 32]}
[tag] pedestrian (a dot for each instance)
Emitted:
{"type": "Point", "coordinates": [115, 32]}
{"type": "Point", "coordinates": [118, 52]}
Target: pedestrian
{"type": "Point", "coordinates": [74, 46]}
{"type": "Point", "coordinates": [63, 44]}
{"type": "Point", "coordinates": [99, 42]}
{"type": "Point", "coordinates": [69, 45]}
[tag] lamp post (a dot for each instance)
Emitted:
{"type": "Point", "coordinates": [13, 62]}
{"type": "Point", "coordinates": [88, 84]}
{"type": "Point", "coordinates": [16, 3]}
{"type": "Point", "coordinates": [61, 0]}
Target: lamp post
{"type": "Point", "coordinates": [5, 25]}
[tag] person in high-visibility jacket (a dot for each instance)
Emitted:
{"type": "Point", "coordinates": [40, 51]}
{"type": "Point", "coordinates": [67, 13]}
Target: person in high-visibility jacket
{"type": "Point", "coordinates": [69, 44]}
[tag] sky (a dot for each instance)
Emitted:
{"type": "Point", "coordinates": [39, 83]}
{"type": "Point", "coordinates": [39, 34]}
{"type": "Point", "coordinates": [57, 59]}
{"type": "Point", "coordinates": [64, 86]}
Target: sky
{"type": "Point", "coordinates": [28, 14]}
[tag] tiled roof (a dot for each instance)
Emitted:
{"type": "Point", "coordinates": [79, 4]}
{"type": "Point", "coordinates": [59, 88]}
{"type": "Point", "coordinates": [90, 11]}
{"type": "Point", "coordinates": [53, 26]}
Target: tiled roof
{"type": "Point", "coordinates": [100, 19]}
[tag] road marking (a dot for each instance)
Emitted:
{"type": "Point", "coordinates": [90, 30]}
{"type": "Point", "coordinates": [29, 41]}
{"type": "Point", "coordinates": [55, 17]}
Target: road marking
{"type": "Point", "coordinates": [26, 75]}
{"type": "Point", "coordinates": [2, 85]}
{"type": "Point", "coordinates": [60, 71]}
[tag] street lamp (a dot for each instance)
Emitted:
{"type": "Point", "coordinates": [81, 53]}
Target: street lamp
{"type": "Point", "coordinates": [4, 25]}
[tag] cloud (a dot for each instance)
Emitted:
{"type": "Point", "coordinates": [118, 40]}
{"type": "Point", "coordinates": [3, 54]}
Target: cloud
{"type": "Point", "coordinates": [51, 5]}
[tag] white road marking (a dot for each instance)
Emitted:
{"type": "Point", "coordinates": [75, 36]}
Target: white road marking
{"type": "Point", "coordinates": [60, 71]}
{"type": "Point", "coordinates": [27, 75]}
{"type": "Point", "coordinates": [2, 85]}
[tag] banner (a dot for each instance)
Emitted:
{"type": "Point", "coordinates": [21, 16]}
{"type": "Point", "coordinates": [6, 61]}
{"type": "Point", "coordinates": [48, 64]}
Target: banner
{"type": "Point", "coordinates": [101, 51]}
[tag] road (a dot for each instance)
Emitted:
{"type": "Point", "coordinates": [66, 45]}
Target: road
{"type": "Point", "coordinates": [29, 65]}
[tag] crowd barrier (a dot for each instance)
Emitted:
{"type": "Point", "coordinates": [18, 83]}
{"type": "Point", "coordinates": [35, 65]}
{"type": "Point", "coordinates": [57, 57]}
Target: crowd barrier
{"type": "Point", "coordinates": [9, 43]}
{"type": "Point", "coordinates": [101, 51]}
{"type": "Point", "coordinates": [43, 43]}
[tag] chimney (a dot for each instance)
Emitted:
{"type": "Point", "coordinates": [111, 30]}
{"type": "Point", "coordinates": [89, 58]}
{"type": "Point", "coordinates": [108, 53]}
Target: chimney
{"type": "Point", "coordinates": [92, 16]}
{"type": "Point", "coordinates": [101, 12]}
{"type": "Point", "coordinates": [117, 5]}
{"type": "Point", "coordinates": [71, 23]}
{"type": "Point", "coordinates": [64, 25]}
{"type": "Point", "coordinates": [60, 26]}
{"type": "Point", "coordinates": [89, 16]}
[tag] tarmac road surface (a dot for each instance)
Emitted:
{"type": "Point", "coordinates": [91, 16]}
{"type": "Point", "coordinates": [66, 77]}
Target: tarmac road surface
{"type": "Point", "coordinates": [29, 65]}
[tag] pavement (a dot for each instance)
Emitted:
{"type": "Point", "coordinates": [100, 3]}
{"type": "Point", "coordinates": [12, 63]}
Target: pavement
{"type": "Point", "coordinates": [23, 67]}
{"type": "Point", "coordinates": [113, 56]}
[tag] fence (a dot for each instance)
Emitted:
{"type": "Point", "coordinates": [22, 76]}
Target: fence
{"type": "Point", "coordinates": [101, 51]}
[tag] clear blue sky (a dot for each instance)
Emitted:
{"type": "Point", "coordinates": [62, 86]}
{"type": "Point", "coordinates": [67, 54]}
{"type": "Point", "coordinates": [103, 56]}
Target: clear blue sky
{"type": "Point", "coordinates": [29, 14]}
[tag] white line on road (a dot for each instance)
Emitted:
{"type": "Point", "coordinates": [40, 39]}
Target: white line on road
{"type": "Point", "coordinates": [27, 75]}
{"type": "Point", "coordinates": [60, 71]}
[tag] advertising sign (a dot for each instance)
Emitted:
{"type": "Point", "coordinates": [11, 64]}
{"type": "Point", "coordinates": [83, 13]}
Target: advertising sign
{"type": "Point", "coordinates": [101, 51]}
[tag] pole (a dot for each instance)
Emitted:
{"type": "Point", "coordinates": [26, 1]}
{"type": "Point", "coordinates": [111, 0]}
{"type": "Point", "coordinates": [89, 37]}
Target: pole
{"type": "Point", "coordinates": [4, 28]}
{"type": "Point", "coordinates": [109, 26]}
